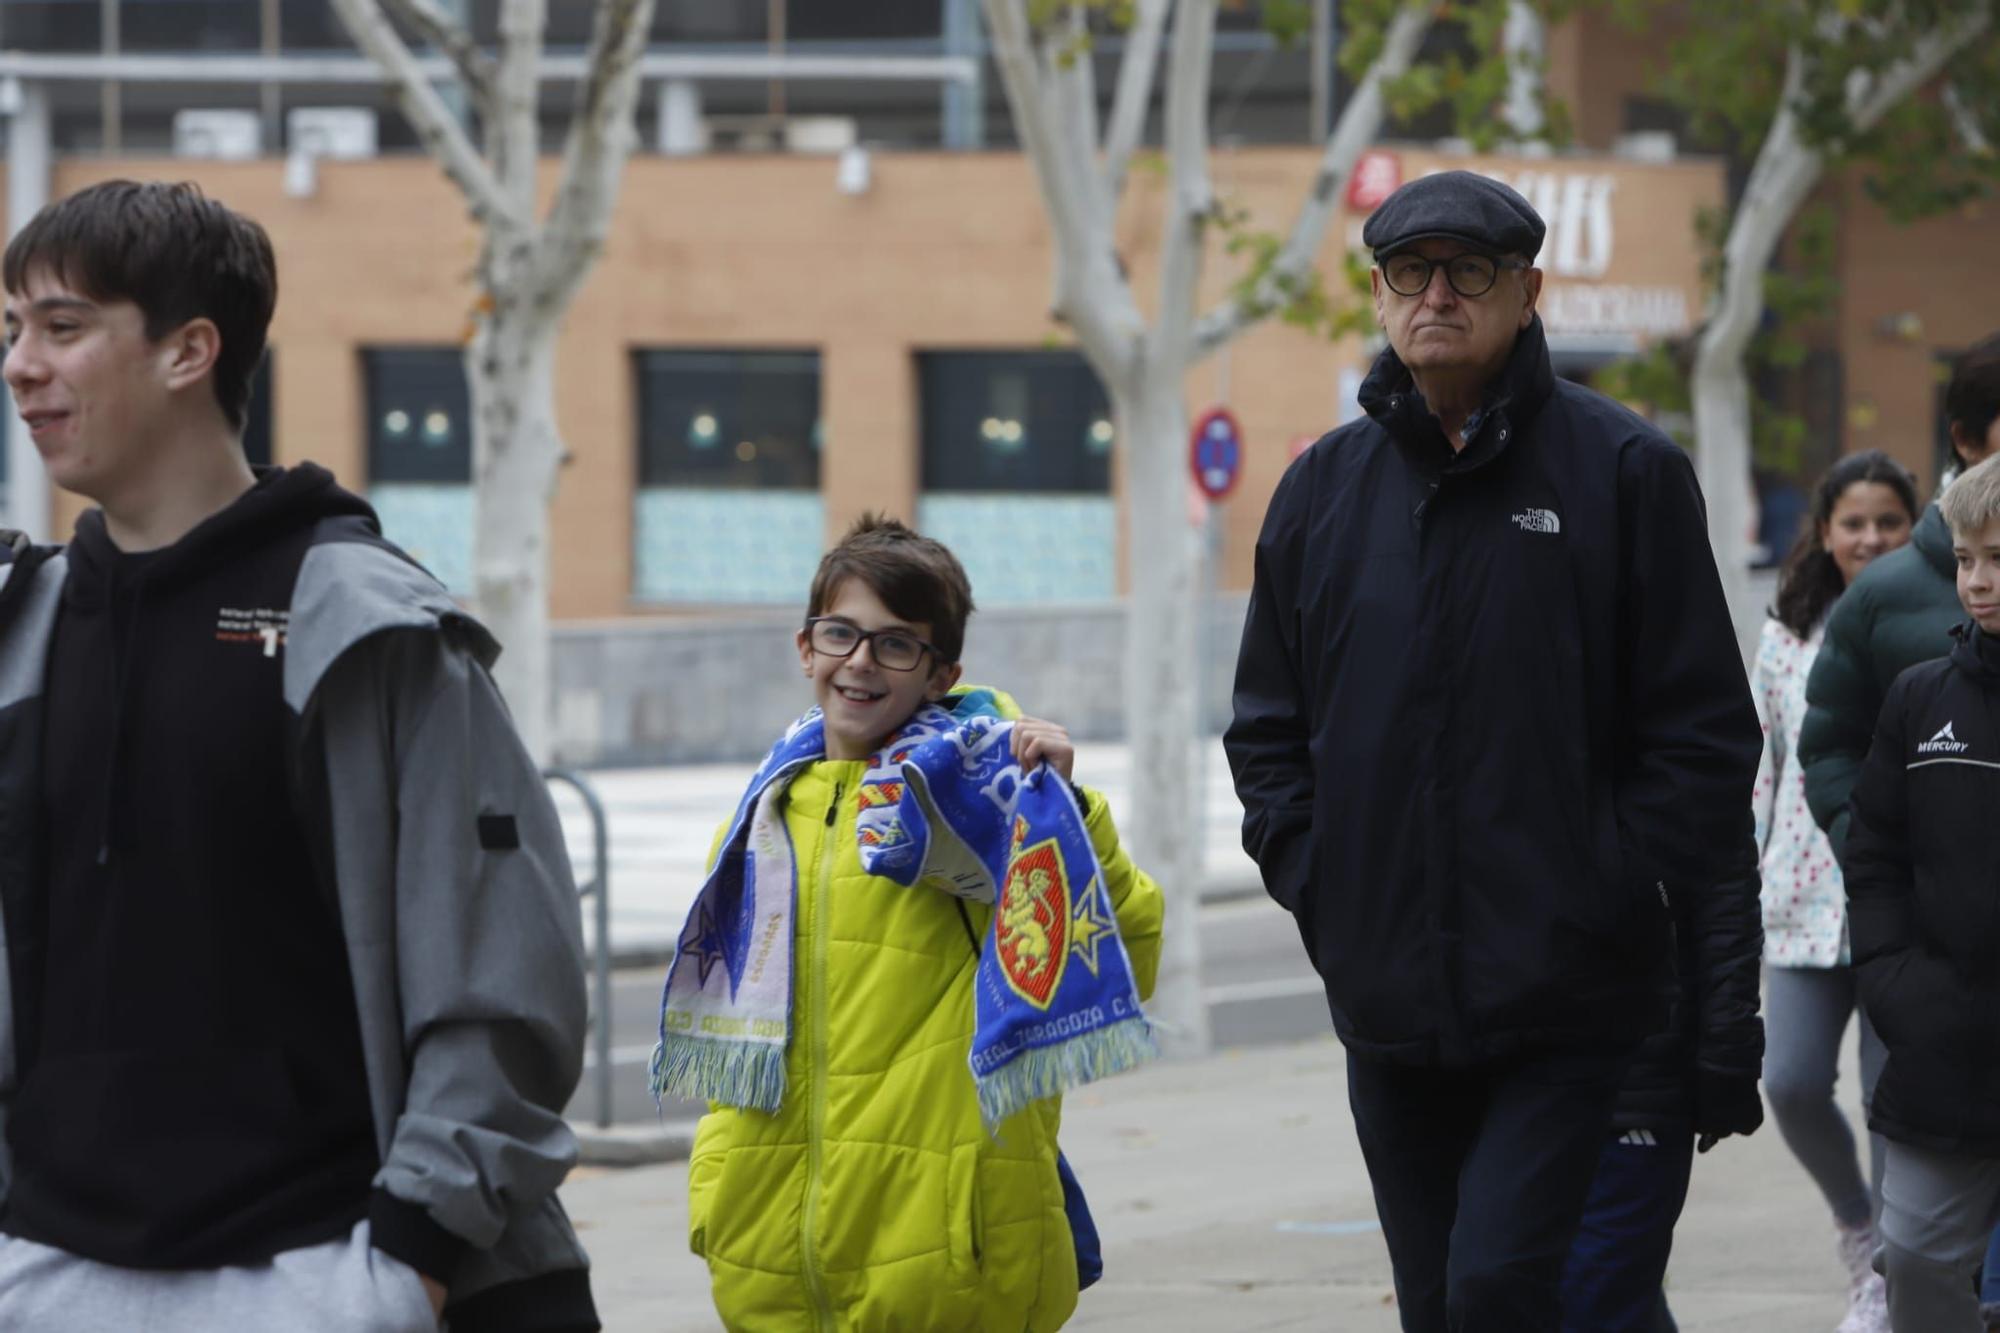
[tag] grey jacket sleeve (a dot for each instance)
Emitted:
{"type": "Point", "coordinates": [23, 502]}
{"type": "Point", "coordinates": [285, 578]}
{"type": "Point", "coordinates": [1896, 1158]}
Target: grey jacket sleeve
{"type": "Point", "coordinates": [466, 939]}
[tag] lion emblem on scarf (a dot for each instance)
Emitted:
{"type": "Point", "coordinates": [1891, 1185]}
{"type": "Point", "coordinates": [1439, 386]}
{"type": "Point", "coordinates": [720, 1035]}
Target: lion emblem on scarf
{"type": "Point", "coordinates": [1032, 928]}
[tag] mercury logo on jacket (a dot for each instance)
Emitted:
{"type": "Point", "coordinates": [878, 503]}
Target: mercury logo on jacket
{"type": "Point", "coordinates": [1943, 743]}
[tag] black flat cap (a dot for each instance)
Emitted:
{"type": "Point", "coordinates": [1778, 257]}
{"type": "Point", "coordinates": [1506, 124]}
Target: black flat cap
{"type": "Point", "coordinates": [1458, 206]}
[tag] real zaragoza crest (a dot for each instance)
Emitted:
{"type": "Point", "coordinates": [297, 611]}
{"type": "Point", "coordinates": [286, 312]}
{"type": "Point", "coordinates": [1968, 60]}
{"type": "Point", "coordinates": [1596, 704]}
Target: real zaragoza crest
{"type": "Point", "coordinates": [1032, 929]}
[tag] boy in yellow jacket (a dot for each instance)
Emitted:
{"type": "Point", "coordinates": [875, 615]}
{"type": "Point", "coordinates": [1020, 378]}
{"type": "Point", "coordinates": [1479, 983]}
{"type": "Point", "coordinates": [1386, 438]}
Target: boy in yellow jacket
{"type": "Point", "coordinates": [880, 1154]}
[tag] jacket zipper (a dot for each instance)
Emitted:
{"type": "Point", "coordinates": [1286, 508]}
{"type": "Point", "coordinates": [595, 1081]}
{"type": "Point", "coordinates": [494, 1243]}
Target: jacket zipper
{"type": "Point", "coordinates": [816, 1132]}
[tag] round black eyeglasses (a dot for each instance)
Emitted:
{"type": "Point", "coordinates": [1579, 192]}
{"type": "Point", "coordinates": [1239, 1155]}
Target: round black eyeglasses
{"type": "Point", "coordinates": [892, 649]}
{"type": "Point", "coordinates": [1468, 274]}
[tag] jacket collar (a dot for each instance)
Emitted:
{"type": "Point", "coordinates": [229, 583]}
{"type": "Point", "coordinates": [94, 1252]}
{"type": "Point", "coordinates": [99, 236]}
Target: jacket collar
{"type": "Point", "coordinates": [1976, 653]}
{"type": "Point", "coordinates": [1390, 396]}
{"type": "Point", "coordinates": [1932, 538]}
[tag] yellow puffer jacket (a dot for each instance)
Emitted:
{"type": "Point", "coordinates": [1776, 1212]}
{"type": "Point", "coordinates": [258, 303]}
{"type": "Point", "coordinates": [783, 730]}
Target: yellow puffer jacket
{"type": "Point", "coordinates": [874, 1201]}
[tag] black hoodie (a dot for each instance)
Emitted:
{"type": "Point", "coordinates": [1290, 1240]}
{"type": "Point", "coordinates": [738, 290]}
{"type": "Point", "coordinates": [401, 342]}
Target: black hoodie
{"type": "Point", "coordinates": [1923, 889]}
{"type": "Point", "coordinates": [192, 1087]}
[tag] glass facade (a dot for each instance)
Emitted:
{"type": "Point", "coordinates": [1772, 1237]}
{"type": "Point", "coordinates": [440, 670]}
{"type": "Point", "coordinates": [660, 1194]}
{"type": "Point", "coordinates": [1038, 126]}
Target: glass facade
{"type": "Point", "coordinates": [728, 508]}
{"type": "Point", "coordinates": [1016, 450]}
{"type": "Point", "coordinates": [420, 455]}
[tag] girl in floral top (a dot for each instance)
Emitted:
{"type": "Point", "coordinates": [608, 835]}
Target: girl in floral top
{"type": "Point", "coordinates": [1864, 506]}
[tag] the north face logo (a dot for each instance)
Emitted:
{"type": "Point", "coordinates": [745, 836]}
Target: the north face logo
{"type": "Point", "coordinates": [1538, 520]}
{"type": "Point", "coordinates": [1943, 743]}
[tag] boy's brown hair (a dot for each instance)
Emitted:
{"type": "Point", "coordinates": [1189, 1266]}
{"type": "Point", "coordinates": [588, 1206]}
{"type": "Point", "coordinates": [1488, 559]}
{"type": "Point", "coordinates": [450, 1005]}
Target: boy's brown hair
{"type": "Point", "coordinates": [916, 577]}
{"type": "Point", "coordinates": [169, 250]}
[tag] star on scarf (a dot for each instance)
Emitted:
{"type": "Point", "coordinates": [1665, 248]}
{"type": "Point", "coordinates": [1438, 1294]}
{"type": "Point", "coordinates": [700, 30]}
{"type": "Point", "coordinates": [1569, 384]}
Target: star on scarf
{"type": "Point", "coordinates": [1090, 924]}
{"type": "Point", "coordinates": [706, 947]}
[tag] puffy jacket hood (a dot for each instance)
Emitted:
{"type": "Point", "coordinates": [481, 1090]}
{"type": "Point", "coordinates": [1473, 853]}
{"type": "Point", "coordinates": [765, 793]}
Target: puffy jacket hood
{"type": "Point", "coordinates": [1932, 538]}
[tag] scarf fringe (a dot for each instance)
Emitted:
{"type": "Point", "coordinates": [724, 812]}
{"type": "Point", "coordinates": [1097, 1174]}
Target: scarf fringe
{"type": "Point", "coordinates": [1051, 1071]}
{"type": "Point", "coordinates": [745, 1074]}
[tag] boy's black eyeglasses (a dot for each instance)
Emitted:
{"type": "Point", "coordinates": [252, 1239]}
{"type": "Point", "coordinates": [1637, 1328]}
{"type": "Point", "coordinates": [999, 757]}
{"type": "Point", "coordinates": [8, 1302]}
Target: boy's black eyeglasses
{"type": "Point", "coordinates": [1469, 274]}
{"type": "Point", "coordinates": [892, 649]}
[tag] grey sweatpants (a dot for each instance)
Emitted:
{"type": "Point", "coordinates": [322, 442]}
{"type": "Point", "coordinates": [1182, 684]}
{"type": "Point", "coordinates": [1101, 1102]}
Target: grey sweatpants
{"type": "Point", "coordinates": [1805, 1015]}
{"type": "Point", "coordinates": [1938, 1209]}
{"type": "Point", "coordinates": [343, 1286]}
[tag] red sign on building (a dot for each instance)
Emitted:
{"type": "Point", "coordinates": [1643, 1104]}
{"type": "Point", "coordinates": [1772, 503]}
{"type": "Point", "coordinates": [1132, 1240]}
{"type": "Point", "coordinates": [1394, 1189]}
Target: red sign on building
{"type": "Point", "coordinates": [1377, 173]}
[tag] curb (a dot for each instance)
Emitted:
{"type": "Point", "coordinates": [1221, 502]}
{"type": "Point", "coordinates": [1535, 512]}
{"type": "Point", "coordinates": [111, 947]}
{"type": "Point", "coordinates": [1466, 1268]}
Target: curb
{"type": "Point", "coordinates": [633, 1145]}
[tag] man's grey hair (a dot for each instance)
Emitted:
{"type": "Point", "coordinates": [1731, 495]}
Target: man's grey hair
{"type": "Point", "coordinates": [1973, 500]}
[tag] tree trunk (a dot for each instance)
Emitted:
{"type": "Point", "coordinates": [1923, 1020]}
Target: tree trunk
{"type": "Point", "coordinates": [516, 450]}
{"type": "Point", "coordinates": [1162, 677]}
{"type": "Point", "coordinates": [1785, 172]}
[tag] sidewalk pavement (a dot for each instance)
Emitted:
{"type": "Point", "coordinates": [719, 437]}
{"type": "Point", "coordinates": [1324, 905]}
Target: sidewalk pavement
{"type": "Point", "coordinates": [663, 821]}
{"type": "Point", "coordinates": [1231, 1196]}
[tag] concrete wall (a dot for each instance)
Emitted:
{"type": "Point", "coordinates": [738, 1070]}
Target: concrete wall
{"type": "Point", "coordinates": [719, 689]}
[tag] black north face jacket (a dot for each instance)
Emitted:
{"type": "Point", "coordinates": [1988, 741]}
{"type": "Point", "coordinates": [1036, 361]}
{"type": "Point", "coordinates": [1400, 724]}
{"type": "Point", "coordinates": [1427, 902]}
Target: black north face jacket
{"type": "Point", "coordinates": [1923, 891]}
{"type": "Point", "coordinates": [1490, 717]}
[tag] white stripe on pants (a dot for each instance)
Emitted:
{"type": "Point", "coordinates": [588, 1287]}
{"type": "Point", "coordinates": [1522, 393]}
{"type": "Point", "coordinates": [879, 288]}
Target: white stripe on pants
{"type": "Point", "coordinates": [342, 1286]}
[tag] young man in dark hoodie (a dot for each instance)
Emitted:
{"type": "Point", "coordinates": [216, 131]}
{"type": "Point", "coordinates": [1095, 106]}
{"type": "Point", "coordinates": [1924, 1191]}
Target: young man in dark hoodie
{"type": "Point", "coordinates": [293, 990]}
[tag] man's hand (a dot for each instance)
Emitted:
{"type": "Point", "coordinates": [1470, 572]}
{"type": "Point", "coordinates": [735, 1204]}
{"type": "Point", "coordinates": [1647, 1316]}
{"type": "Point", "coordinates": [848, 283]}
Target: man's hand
{"type": "Point", "coordinates": [1724, 1104]}
{"type": "Point", "coordinates": [435, 1290]}
{"type": "Point", "coordinates": [1039, 742]}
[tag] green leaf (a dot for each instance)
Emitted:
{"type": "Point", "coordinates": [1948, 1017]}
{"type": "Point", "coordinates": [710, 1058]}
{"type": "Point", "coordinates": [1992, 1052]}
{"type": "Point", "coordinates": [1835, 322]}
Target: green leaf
{"type": "Point", "coordinates": [1288, 21]}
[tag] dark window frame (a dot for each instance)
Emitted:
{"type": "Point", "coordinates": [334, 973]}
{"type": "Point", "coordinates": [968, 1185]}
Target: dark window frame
{"type": "Point", "coordinates": [1056, 405]}
{"type": "Point", "coordinates": [741, 392]}
{"type": "Point", "coordinates": [419, 386]}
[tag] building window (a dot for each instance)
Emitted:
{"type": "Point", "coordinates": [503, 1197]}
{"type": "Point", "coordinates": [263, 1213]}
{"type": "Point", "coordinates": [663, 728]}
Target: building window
{"type": "Point", "coordinates": [728, 508]}
{"type": "Point", "coordinates": [190, 25]}
{"type": "Point", "coordinates": [420, 455]}
{"type": "Point", "coordinates": [50, 25]}
{"type": "Point", "coordinates": [1017, 450]}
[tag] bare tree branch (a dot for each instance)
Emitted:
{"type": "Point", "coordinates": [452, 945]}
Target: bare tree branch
{"type": "Point", "coordinates": [1933, 52]}
{"type": "Point", "coordinates": [1091, 293]}
{"type": "Point", "coordinates": [439, 130]}
{"type": "Point", "coordinates": [437, 28]}
{"type": "Point", "coordinates": [513, 139]}
{"type": "Point", "coordinates": [1190, 205]}
{"type": "Point", "coordinates": [1067, 69]}
{"type": "Point", "coordinates": [1524, 41]}
{"type": "Point", "coordinates": [1360, 123]}
{"type": "Point", "coordinates": [1135, 93]}
{"type": "Point", "coordinates": [601, 139]}
{"type": "Point", "coordinates": [1963, 121]}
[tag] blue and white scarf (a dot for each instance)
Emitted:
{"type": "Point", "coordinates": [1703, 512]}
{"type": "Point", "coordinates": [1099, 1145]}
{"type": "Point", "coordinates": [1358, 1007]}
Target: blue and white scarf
{"type": "Point", "coordinates": [943, 804]}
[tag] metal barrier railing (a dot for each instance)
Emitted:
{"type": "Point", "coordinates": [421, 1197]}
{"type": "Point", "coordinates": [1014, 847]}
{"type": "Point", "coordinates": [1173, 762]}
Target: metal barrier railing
{"type": "Point", "coordinates": [599, 888]}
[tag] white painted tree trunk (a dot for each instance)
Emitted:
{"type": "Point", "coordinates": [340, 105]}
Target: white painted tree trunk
{"type": "Point", "coordinates": [1786, 171]}
{"type": "Point", "coordinates": [516, 452]}
{"type": "Point", "coordinates": [1525, 41]}
{"type": "Point", "coordinates": [1144, 370]}
{"type": "Point", "coordinates": [1163, 674]}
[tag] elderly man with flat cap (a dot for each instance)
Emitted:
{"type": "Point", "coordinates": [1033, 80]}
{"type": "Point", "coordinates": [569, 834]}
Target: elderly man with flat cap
{"type": "Point", "coordinates": [1494, 744]}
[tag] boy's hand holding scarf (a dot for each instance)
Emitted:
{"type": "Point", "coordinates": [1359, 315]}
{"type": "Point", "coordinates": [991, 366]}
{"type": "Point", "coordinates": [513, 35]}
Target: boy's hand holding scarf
{"type": "Point", "coordinates": [944, 807]}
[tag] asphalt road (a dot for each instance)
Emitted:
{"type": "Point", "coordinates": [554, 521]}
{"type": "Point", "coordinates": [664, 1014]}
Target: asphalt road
{"type": "Point", "coordinates": [1259, 986]}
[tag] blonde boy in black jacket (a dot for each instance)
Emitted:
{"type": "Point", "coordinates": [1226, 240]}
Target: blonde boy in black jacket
{"type": "Point", "coordinates": [1924, 900]}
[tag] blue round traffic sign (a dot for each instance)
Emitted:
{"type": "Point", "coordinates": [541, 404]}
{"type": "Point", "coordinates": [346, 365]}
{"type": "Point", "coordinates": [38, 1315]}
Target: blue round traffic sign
{"type": "Point", "coordinates": [1215, 452]}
